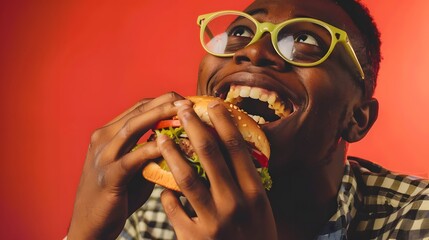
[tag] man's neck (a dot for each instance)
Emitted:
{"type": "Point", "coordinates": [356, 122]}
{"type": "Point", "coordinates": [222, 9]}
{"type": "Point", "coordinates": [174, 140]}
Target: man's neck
{"type": "Point", "coordinates": [304, 200]}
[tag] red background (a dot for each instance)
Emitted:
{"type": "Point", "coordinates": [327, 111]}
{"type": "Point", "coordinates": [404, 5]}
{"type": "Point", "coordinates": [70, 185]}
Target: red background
{"type": "Point", "coordinates": [68, 67]}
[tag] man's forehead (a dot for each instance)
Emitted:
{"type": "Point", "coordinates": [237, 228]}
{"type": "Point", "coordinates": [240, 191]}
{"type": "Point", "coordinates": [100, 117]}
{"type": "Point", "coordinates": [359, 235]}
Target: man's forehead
{"type": "Point", "coordinates": [281, 10]}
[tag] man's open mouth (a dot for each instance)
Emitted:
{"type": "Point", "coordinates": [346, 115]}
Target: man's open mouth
{"type": "Point", "coordinates": [262, 105]}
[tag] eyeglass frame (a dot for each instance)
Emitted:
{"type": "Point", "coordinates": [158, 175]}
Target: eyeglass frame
{"type": "Point", "coordinates": [337, 35]}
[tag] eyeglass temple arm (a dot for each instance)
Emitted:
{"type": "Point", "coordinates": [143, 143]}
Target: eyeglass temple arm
{"type": "Point", "coordinates": [352, 53]}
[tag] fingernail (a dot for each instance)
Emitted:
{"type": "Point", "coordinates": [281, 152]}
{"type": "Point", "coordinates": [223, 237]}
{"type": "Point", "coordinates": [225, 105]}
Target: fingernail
{"type": "Point", "coordinates": [161, 138]}
{"type": "Point", "coordinates": [180, 103]}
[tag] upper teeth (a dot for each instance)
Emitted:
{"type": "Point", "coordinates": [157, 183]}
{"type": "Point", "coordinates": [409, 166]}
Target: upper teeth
{"type": "Point", "coordinates": [237, 93]}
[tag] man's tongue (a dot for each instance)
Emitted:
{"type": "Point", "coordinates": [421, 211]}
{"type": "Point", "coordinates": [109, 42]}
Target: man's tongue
{"type": "Point", "coordinates": [258, 109]}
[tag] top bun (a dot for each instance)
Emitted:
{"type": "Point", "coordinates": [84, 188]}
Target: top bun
{"type": "Point", "coordinates": [248, 128]}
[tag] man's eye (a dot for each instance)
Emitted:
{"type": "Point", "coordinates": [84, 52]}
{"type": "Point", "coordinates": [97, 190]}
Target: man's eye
{"type": "Point", "coordinates": [306, 38]}
{"type": "Point", "coordinates": [241, 31]}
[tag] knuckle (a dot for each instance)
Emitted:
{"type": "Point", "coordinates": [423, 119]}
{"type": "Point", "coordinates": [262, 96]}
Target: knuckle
{"type": "Point", "coordinates": [172, 95]}
{"type": "Point", "coordinates": [204, 199]}
{"type": "Point", "coordinates": [96, 140]}
{"type": "Point", "coordinates": [127, 130]}
{"type": "Point", "coordinates": [256, 197]}
{"type": "Point", "coordinates": [96, 136]}
{"type": "Point", "coordinates": [101, 179]}
{"type": "Point", "coordinates": [234, 144]}
{"type": "Point", "coordinates": [123, 166]}
{"type": "Point", "coordinates": [236, 212]}
{"type": "Point", "coordinates": [144, 101]}
{"type": "Point", "coordinates": [171, 210]}
{"type": "Point", "coordinates": [188, 182]}
{"type": "Point", "coordinates": [207, 148]}
{"type": "Point", "coordinates": [141, 107]}
{"type": "Point", "coordinates": [163, 110]}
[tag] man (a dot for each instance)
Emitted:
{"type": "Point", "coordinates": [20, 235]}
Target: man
{"type": "Point", "coordinates": [299, 53]}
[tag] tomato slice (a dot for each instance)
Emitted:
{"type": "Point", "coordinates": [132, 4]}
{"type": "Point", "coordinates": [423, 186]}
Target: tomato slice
{"type": "Point", "coordinates": [167, 123]}
{"type": "Point", "coordinates": [260, 157]}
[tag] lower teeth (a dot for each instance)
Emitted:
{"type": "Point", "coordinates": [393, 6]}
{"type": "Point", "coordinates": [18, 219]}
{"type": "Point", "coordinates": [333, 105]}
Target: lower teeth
{"type": "Point", "coordinates": [258, 119]}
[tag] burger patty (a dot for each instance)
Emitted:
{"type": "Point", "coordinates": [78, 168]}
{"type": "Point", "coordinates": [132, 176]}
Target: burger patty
{"type": "Point", "coordinates": [186, 147]}
{"type": "Point", "coordinates": [184, 144]}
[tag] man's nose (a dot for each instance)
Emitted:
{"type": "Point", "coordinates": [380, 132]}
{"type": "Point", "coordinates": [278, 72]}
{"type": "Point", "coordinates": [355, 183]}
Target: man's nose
{"type": "Point", "coordinates": [261, 53]}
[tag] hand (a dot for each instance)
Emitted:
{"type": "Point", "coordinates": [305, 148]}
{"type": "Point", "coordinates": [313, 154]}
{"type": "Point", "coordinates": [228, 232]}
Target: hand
{"type": "Point", "coordinates": [111, 186]}
{"type": "Point", "coordinates": [236, 205]}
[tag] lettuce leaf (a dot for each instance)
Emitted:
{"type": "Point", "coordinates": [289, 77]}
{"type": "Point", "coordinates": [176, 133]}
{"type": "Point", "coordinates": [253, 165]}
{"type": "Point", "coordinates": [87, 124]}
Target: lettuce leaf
{"type": "Point", "coordinates": [265, 178]}
{"type": "Point", "coordinates": [175, 133]}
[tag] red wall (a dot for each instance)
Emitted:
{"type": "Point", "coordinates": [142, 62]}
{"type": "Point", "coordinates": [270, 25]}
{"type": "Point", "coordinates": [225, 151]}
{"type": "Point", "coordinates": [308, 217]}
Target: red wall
{"type": "Point", "coordinates": [68, 67]}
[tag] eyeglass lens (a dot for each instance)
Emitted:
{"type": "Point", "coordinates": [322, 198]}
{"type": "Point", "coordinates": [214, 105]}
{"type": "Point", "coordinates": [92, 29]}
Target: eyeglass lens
{"type": "Point", "coordinates": [301, 42]}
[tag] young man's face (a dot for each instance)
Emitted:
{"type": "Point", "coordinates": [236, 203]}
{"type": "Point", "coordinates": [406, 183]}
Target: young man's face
{"type": "Point", "coordinates": [321, 98]}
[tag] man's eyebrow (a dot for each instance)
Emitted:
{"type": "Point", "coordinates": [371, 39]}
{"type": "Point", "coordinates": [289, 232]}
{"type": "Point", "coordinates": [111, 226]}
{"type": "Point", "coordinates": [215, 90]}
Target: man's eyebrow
{"type": "Point", "coordinates": [257, 11]}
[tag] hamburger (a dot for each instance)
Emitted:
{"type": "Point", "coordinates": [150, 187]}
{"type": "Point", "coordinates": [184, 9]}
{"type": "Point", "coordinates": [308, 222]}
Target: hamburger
{"type": "Point", "coordinates": [258, 146]}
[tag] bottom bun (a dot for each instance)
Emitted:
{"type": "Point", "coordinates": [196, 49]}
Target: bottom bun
{"type": "Point", "coordinates": [154, 173]}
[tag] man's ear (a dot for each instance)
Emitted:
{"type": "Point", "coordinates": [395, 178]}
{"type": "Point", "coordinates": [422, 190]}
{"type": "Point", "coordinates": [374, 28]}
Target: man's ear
{"type": "Point", "coordinates": [363, 118]}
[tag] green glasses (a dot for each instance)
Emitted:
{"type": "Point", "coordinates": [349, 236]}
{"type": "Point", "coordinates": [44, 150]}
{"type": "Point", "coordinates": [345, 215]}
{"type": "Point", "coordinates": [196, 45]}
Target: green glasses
{"type": "Point", "coordinates": [302, 42]}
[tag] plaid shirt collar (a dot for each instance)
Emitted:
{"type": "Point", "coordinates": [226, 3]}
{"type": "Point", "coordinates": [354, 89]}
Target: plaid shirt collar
{"type": "Point", "coordinates": [348, 198]}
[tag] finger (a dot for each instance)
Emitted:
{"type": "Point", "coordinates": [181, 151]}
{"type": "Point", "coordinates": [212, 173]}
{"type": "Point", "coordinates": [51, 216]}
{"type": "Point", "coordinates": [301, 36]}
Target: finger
{"type": "Point", "coordinates": [186, 177]}
{"type": "Point", "coordinates": [176, 214]}
{"type": "Point", "coordinates": [144, 106]}
{"type": "Point", "coordinates": [125, 168]}
{"type": "Point", "coordinates": [141, 102]}
{"type": "Point", "coordinates": [131, 131]}
{"type": "Point", "coordinates": [209, 153]}
{"type": "Point", "coordinates": [241, 160]}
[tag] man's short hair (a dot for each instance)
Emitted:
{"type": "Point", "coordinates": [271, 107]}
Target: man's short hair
{"type": "Point", "coordinates": [370, 35]}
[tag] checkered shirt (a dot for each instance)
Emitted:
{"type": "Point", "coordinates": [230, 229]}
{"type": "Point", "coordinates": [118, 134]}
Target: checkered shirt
{"type": "Point", "coordinates": [373, 203]}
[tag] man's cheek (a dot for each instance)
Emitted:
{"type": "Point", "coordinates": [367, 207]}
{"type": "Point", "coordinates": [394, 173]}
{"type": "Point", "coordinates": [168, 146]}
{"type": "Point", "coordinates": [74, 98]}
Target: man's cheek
{"type": "Point", "coordinates": [208, 71]}
{"type": "Point", "coordinates": [203, 74]}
